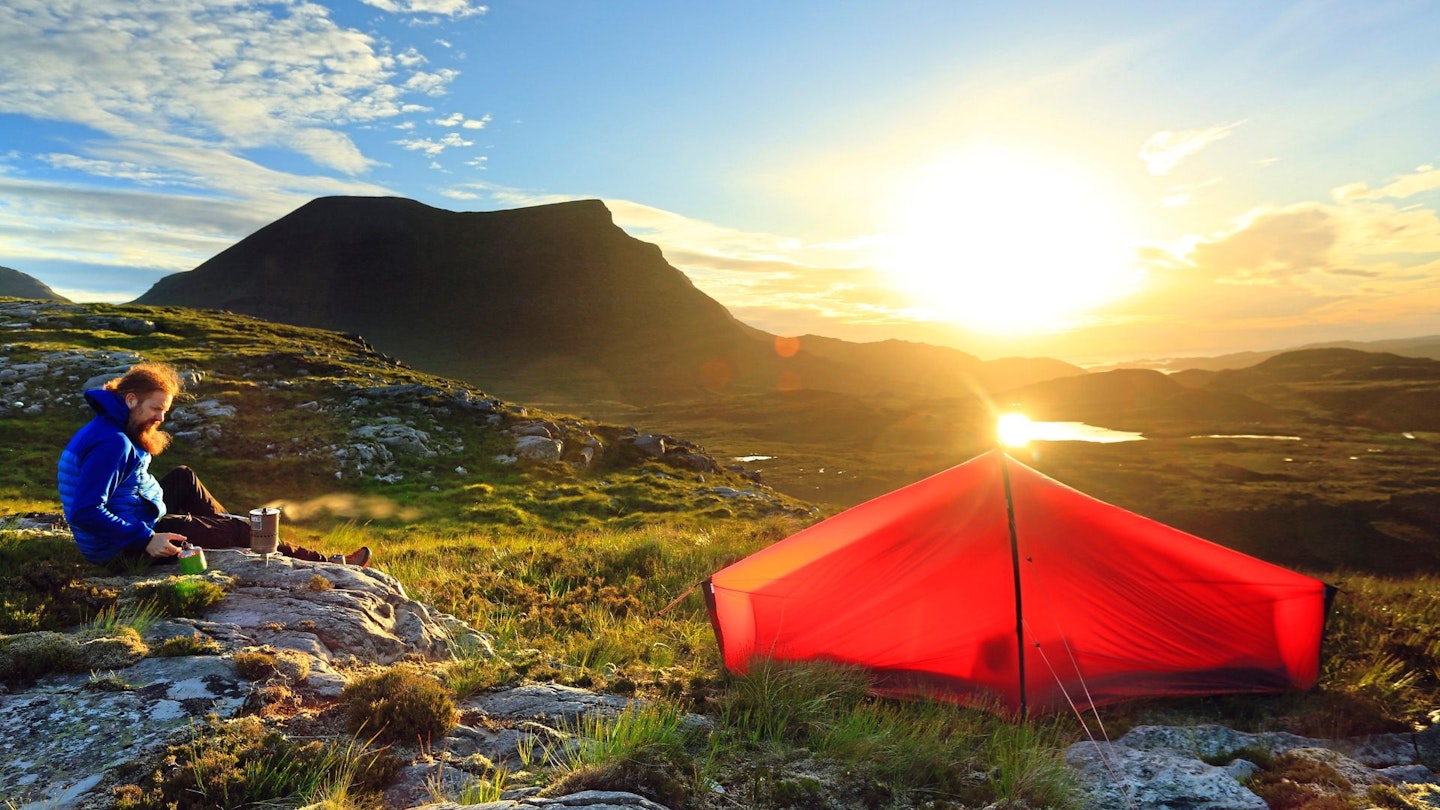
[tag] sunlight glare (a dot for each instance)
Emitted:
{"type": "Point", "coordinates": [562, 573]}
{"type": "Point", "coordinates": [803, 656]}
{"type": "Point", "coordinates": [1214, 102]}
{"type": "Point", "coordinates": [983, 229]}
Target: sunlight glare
{"type": "Point", "coordinates": [1014, 429]}
{"type": "Point", "coordinates": [1001, 242]}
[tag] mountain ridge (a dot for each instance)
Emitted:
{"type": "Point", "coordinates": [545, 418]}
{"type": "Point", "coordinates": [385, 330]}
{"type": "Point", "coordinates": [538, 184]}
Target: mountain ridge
{"type": "Point", "coordinates": [15, 284]}
{"type": "Point", "coordinates": [517, 299]}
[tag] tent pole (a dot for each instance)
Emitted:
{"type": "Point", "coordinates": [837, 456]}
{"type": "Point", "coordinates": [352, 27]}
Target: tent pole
{"type": "Point", "coordinates": [1015, 563]}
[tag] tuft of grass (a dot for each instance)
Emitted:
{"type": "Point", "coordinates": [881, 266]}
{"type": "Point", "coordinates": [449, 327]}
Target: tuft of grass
{"type": "Point", "coordinates": [400, 704]}
{"type": "Point", "coordinates": [790, 702]}
{"type": "Point", "coordinates": [644, 749]}
{"type": "Point", "coordinates": [480, 790]}
{"type": "Point", "coordinates": [891, 748]}
{"type": "Point", "coordinates": [471, 671]}
{"type": "Point", "coordinates": [108, 682]}
{"type": "Point", "coordinates": [239, 763]}
{"type": "Point", "coordinates": [138, 615]}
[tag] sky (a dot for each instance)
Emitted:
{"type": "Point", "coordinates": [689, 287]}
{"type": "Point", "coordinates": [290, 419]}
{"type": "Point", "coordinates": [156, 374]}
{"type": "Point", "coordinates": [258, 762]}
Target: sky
{"type": "Point", "coordinates": [1088, 181]}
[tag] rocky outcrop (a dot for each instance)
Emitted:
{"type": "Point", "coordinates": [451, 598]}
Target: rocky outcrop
{"type": "Point", "coordinates": [63, 735]}
{"type": "Point", "coordinates": [1171, 768]}
{"type": "Point", "coordinates": [67, 737]}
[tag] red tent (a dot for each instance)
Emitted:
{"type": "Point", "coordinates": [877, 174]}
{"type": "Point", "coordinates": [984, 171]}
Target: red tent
{"type": "Point", "coordinates": [924, 588]}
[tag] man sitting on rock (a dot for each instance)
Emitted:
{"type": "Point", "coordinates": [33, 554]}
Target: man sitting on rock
{"type": "Point", "coordinates": [117, 509]}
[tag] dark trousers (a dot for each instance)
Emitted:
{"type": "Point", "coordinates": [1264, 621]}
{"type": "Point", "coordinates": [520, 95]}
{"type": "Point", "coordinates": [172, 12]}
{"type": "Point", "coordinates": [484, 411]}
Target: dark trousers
{"type": "Point", "coordinates": [196, 514]}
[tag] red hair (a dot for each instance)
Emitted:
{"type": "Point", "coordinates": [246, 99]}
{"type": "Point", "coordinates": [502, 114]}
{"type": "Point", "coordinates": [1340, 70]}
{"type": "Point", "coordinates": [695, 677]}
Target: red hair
{"type": "Point", "coordinates": [145, 379]}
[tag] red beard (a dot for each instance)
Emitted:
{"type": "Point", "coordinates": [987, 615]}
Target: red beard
{"type": "Point", "coordinates": [151, 439]}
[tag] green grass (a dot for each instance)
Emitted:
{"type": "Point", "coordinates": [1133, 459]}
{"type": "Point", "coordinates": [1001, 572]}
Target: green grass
{"type": "Point", "coordinates": [896, 749]}
{"type": "Point", "coordinates": [569, 570]}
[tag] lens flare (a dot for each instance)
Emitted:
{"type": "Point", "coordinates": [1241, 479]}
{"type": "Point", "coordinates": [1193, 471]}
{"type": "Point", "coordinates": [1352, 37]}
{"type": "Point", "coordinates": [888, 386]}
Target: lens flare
{"type": "Point", "coordinates": [1014, 429]}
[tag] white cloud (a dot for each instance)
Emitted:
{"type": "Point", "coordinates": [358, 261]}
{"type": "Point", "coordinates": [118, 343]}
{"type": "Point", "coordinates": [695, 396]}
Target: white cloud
{"type": "Point", "coordinates": [431, 84]}
{"type": "Point", "coordinates": [1424, 178]}
{"type": "Point", "coordinates": [454, 9]}
{"type": "Point", "coordinates": [459, 120]}
{"type": "Point", "coordinates": [119, 170]}
{"type": "Point", "coordinates": [1165, 149]}
{"type": "Point", "coordinates": [152, 227]}
{"type": "Point", "coordinates": [410, 58]}
{"type": "Point", "coordinates": [433, 147]}
{"type": "Point", "coordinates": [239, 74]}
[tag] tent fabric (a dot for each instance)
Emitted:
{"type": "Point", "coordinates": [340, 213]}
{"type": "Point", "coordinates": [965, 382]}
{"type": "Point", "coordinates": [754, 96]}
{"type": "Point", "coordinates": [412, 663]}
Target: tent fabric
{"type": "Point", "coordinates": [918, 587]}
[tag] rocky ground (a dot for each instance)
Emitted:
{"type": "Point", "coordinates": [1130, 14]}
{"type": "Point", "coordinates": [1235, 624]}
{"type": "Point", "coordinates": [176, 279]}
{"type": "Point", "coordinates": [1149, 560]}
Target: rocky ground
{"type": "Point", "coordinates": [68, 739]}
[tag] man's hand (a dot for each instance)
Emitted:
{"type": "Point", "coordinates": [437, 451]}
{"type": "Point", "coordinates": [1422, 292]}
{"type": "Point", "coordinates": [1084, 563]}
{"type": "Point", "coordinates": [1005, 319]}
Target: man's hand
{"type": "Point", "coordinates": [164, 544]}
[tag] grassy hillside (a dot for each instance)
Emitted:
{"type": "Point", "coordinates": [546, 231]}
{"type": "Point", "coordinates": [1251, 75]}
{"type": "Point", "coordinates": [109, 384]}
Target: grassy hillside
{"type": "Point", "coordinates": [330, 427]}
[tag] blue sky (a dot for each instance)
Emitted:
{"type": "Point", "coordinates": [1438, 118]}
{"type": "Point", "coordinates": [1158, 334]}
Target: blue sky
{"type": "Point", "coordinates": [1087, 181]}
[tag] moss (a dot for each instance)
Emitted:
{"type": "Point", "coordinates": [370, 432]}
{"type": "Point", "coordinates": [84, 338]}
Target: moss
{"type": "Point", "coordinates": [400, 704]}
{"type": "Point", "coordinates": [255, 665]}
{"type": "Point", "coordinates": [43, 585]}
{"type": "Point", "coordinates": [28, 656]}
{"type": "Point", "coordinates": [319, 583]}
{"type": "Point", "coordinates": [178, 596]}
{"type": "Point", "coordinates": [293, 666]}
{"type": "Point", "coordinates": [195, 644]}
{"type": "Point", "coordinates": [1297, 782]}
{"type": "Point", "coordinates": [655, 778]}
{"type": "Point", "coordinates": [266, 663]}
{"type": "Point", "coordinates": [119, 647]}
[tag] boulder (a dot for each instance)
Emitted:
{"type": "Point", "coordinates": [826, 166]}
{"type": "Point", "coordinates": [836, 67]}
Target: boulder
{"type": "Point", "coordinates": [539, 448]}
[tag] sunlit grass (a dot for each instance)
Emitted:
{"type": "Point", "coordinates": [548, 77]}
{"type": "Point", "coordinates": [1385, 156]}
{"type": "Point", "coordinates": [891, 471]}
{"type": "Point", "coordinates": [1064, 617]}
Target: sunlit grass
{"type": "Point", "coordinates": [929, 748]}
{"type": "Point", "coordinates": [139, 616]}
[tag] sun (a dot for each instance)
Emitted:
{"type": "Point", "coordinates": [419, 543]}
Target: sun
{"type": "Point", "coordinates": [1001, 242]}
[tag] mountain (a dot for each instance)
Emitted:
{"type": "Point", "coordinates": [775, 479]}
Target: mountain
{"type": "Point", "coordinates": [923, 370]}
{"type": "Point", "coordinates": [15, 284]}
{"type": "Point", "coordinates": [539, 302]}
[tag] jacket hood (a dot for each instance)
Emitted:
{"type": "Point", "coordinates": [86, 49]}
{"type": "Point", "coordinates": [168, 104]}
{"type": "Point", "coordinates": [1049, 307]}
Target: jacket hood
{"type": "Point", "coordinates": [109, 405]}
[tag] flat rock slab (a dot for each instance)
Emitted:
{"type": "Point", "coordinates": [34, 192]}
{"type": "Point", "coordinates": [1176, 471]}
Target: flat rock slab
{"type": "Point", "coordinates": [357, 613]}
{"type": "Point", "coordinates": [63, 735]}
{"type": "Point", "coordinates": [547, 703]}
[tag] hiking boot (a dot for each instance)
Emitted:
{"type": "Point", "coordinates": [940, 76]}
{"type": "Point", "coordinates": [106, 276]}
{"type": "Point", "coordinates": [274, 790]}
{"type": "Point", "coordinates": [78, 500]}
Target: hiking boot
{"type": "Point", "coordinates": [360, 557]}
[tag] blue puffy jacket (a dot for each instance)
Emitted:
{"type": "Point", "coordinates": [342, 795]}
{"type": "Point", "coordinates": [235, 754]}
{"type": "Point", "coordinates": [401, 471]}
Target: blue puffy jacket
{"type": "Point", "coordinates": [111, 500]}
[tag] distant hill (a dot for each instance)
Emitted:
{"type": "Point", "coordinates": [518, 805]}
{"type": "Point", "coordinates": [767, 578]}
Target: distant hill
{"type": "Point", "coordinates": [15, 284]}
{"type": "Point", "coordinates": [1336, 386]}
{"type": "Point", "coordinates": [1374, 389]}
{"type": "Point", "coordinates": [920, 369]}
{"type": "Point", "coordinates": [542, 302]}
{"type": "Point", "coordinates": [1122, 396]}
{"type": "Point", "coordinates": [1423, 346]}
